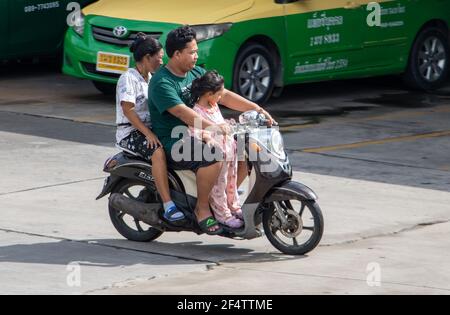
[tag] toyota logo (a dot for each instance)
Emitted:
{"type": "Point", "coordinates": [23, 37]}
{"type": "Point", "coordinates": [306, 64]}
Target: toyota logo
{"type": "Point", "coordinates": [120, 31]}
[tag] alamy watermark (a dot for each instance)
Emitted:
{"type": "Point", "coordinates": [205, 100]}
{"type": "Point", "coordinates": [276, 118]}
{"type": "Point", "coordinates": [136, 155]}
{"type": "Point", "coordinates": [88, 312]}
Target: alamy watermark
{"type": "Point", "coordinates": [74, 17]}
{"type": "Point", "coordinates": [374, 17]}
{"type": "Point", "coordinates": [73, 278]}
{"type": "Point", "coordinates": [373, 270]}
{"type": "Point", "coordinates": [258, 148]}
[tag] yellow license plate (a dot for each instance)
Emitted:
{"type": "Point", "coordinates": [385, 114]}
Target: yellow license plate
{"type": "Point", "coordinates": [112, 63]}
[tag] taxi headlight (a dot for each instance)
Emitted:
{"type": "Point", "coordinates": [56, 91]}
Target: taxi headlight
{"type": "Point", "coordinates": [78, 24]}
{"type": "Point", "coordinates": [205, 32]}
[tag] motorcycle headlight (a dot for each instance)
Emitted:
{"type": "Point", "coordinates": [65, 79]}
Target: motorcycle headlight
{"type": "Point", "coordinates": [272, 140]}
{"type": "Point", "coordinates": [78, 24]}
{"type": "Point", "coordinates": [277, 144]}
{"type": "Point", "coordinates": [205, 32]}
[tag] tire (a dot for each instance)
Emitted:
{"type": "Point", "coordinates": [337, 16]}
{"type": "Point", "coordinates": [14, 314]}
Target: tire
{"type": "Point", "coordinates": [429, 61]}
{"type": "Point", "coordinates": [117, 218]}
{"type": "Point", "coordinates": [254, 73]}
{"type": "Point", "coordinates": [107, 89]}
{"type": "Point", "coordinates": [270, 219]}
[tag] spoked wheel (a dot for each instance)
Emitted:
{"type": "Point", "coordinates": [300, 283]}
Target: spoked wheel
{"type": "Point", "coordinates": [254, 73]}
{"type": "Point", "coordinates": [429, 63]}
{"type": "Point", "coordinates": [294, 227]}
{"type": "Point", "coordinates": [129, 227]}
{"type": "Point", "coordinates": [432, 59]}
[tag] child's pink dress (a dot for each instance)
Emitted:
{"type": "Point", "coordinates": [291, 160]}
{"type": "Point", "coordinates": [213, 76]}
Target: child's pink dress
{"type": "Point", "coordinates": [224, 198]}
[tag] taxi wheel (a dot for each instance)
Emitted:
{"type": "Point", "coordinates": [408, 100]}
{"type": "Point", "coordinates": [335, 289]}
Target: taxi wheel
{"type": "Point", "coordinates": [254, 73]}
{"type": "Point", "coordinates": [428, 66]}
{"type": "Point", "coordinates": [106, 88]}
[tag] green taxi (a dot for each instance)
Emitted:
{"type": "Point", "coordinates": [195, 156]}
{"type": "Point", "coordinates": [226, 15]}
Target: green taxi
{"type": "Point", "coordinates": [262, 45]}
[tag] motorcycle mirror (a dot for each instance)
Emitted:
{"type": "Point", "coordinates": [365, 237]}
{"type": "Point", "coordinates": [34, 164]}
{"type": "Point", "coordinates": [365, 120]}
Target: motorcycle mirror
{"type": "Point", "coordinates": [249, 117]}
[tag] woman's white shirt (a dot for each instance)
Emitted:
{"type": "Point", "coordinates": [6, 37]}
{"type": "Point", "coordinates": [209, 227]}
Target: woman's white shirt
{"type": "Point", "coordinates": [131, 88]}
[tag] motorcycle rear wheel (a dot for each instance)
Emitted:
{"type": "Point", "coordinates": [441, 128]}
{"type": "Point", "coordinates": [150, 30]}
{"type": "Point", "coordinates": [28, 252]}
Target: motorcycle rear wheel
{"type": "Point", "coordinates": [129, 227]}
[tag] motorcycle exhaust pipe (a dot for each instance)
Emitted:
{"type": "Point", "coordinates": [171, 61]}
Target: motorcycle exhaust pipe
{"type": "Point", "coordinates": [145, 212]}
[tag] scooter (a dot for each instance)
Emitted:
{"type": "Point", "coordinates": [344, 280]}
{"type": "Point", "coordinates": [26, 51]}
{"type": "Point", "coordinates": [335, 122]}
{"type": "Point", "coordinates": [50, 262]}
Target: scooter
{"type": "Point", "coordinates": [285, 211]}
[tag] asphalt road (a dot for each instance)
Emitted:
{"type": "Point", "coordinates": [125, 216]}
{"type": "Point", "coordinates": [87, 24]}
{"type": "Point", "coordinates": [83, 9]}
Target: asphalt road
{"type": "Point", "coordinates": [376, 154]}
{"type": "Point", "coordinates": [371, 129]}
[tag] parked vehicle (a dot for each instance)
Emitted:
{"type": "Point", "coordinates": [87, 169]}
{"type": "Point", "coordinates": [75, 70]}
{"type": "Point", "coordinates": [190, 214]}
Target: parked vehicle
{"type": "Point", "coordinates": [262, 45]}
{"type": "Point", "coordinates": [33, 28]}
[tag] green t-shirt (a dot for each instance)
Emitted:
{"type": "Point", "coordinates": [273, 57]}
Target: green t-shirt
{"type": "Point", "coordinates": [165, 91]}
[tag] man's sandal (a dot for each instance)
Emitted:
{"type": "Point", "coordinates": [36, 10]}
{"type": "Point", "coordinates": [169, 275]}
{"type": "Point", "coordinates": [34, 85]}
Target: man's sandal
{"type": "Point", "coordinates": [208, 223]}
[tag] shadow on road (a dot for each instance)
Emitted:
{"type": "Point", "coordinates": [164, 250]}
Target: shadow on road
{"type": "Point", "coordinates": [113, 253]}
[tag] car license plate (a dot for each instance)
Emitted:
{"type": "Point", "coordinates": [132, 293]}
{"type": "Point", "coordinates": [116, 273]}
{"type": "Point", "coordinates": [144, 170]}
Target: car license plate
{"type": "Point", "coordinates": [112, 63]}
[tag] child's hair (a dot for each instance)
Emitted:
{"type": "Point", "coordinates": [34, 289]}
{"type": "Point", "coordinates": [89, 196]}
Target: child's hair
{"type": "Point", "coordinates": [144, 45]}
{"type": "Point", "coordinates": [211, 81]}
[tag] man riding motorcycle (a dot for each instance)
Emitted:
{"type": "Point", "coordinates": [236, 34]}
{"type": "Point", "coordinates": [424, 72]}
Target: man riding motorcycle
{"type": "Point", "coordinates": [169, 108]}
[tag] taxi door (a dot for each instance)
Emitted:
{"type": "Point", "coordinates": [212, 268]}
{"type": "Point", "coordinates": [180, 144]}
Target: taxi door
{"type": "Point", "coordinates": [323, 38]}
{"type": "Point", "coordinates": [385, 36]}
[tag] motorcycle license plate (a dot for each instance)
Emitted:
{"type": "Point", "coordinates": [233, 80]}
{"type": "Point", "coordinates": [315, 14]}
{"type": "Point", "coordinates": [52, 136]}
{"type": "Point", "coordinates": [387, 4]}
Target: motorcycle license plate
{"type": "Point", "coordinates": [112, 63]}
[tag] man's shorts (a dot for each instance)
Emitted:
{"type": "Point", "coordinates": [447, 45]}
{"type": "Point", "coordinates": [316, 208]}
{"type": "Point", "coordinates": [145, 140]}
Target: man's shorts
{"type": "Point", "coordinates": [193, 160]}
{"type": "Point", "coordinates": [137, 144]}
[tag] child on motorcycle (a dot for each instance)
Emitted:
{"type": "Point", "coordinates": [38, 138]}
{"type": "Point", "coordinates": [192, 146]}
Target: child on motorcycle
{"type": "Point", "coordinates": [206, 92]}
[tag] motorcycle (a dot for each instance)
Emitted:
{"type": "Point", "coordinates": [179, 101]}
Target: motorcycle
{"type": "Point", "coordinates": [283, 210]}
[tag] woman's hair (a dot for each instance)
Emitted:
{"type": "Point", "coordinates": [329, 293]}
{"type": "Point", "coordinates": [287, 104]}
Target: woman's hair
{"type": "Point", "coordinates": [211, 81]}
{"type": "Point", "coordinates": [178, 39]}
{"type": "Point", "coordinates": [144, 45]}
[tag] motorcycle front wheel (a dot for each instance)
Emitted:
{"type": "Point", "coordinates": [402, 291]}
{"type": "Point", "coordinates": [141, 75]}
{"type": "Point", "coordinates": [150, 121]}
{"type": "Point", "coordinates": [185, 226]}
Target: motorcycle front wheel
{"type": "Point", "coordinates": [128, 226]}
{"type": "Point", "coordinates": [294, 227]}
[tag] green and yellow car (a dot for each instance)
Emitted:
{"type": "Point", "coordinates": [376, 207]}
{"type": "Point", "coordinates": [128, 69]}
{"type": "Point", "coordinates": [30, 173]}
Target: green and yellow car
{"type": "Point", "coordinates": [33, 28]}
{"type": "Point", "coordinates": [262, 45]}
